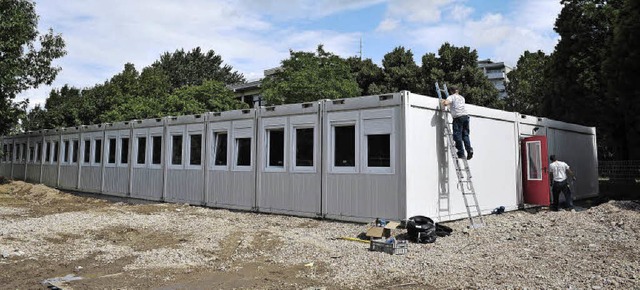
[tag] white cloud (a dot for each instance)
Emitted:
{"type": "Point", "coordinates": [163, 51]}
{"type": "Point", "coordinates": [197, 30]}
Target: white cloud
{"type": "Point", "coordinates": [303, 9]}
{"type": "Point", "coordinates": [388, 25]}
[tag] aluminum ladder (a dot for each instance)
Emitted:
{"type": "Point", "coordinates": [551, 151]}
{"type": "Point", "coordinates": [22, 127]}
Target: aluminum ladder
{"type": "Point", "coordinates": [463, 172]}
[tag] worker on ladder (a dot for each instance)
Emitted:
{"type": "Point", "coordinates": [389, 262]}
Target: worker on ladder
{"type": "Point", "coordinates": [460, 122]}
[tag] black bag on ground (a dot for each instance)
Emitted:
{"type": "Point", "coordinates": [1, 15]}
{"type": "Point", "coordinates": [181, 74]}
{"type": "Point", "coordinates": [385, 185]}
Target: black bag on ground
{"type": "Point", "coordinates": [442, 230]}
{"type": "Point", "coordinates": [421, 229]}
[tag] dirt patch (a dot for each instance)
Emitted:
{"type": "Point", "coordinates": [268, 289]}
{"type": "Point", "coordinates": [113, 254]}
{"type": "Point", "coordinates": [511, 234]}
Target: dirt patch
{"type": "Point", "coordinates": [137, 239]}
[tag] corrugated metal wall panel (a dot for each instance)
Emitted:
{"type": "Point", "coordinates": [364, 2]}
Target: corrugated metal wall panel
{"type": "Point", "coordinates": [116, 180]}
{"type": "Point", "coordinates": [185, 186]}
{"type": "Point", "coordinates": [50, 175]}
{"type": "Point", "coordinates": [18, 171]}
{"type": "Point", "coordinates": [231, 189]}
{"type": "Point", "coordinates": [33, 173]}
{"type": "Point", "coordinates": [68, 176]}
{"type": "Point", "coordinates": [290, 192]}
{"type": "Point", "coordinates": [147, 183]}
{"type": "Point", "coordinates": [5, 169]}
{"type": "Point", "coordinates": [363, 196]}
{"type": "Point", "coordinates": [91, 178]}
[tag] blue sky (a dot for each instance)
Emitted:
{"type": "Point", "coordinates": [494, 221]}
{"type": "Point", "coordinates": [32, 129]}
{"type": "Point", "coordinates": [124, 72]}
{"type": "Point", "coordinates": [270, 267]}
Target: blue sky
{"type": "Point", "coordinates": [254, 35]}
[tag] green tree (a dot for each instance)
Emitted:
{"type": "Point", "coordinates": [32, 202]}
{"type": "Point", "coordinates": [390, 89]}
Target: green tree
{"type": "Point", "coordinates": [368, 75]}
{"type": "Point", "coordinates": [400, 71]}
{"type": "Point", "coordinates": [25, 56]}
{"type": "Point", "coordinates": [458, 66]}
{"type": "Point", "coordinates": [308, 76]}
{"type": "Point", "coordinates": [195, 67]}
{"type": "Point", "coordinates": [621, 68]}
{"type": "Point", "coordinates": [528, 83]}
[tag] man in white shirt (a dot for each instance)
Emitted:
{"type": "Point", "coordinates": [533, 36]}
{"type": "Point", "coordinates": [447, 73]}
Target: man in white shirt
{"type": "Point", "coordinates": [558, 171]}
{"type": "Point", "coordinates": [460, 122]}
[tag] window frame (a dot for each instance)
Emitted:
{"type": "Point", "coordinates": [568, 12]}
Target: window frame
{"type": "Point", "coordinates": [332, 146]}
{"type": "Point", "coordinates": [170, 163]}
{"type": "Point", "coordinates": [267, 149]}
{"type": "Point", "coordinates": [242, 131]}
{"type": "Point", "coordinates": [294, 147]}
{"type": "Point", "coordinates": [186, 149]}
{"type": "Point", "coordinates": [378, 122]}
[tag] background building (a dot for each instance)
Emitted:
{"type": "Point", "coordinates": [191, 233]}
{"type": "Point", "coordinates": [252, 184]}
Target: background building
{"type": "Point", "coordinates": [496, 72]}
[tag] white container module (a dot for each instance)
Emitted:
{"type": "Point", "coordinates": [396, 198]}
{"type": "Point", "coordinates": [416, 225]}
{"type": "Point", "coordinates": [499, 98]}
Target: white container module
{"type": "Point", "coordinates": [185, 159]}
{"type": "Point", "coordinates": [20, 157]}
{"type": "Point", "coordinates": [147, 159]}
{"type": "Point", "coordinates": [363, 158]}
{"type": "Point", "coordinates": [69, 158]}
{"type": "Point", "coordinates": [116, 158]}
{"type": "Point", "coordinates": [6, 156]}
{"type": "Point", "coordinates": [50, 168]}
{"type": "Point", "coordinates": [91, 158]}
{"type": "Point", "coordinates": [34, 158]}
{"type": "Point", "coordinates": [289, 171]}
{"type": "Point", "coordinates": [231, 159]}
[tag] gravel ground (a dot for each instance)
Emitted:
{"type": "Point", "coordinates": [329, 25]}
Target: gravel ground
{"type": "Point", "coordinates": [46, 234]}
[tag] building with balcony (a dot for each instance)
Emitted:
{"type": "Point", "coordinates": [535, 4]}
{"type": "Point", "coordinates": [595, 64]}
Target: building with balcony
{"type": "Point", "coordinates": [496, 72]}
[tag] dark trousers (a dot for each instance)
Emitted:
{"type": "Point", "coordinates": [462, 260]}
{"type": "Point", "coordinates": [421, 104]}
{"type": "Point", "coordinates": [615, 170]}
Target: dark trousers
{"type": "Point", "coordinates": [461, 134]}
{"type": "Point", "coordinates": [556, 188]}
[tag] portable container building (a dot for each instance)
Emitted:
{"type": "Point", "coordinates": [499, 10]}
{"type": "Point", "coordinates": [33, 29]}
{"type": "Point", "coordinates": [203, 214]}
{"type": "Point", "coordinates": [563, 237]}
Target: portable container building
{"type": "Point", "coordinates": [147, 159]}
{"type": "Point", "coordinates": [289, 173]}
{"type": "Point", "coordinates": [231, 175]}
{"type": "Point", "coordinates": [34, 162]}
{"type": "Point", "coordinates": [350, 159]}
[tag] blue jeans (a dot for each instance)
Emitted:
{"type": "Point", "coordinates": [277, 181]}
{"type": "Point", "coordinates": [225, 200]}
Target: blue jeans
{"type": "Point", "coordinates": [461, 134]}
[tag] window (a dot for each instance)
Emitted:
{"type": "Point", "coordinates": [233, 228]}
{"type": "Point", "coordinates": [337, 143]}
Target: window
{"type": "Point", "coordinates": [142, 150]}
{"type": "Point", "coordinates": [87, 151]}
{"type": "Point", "coordinates": [243, 148]}
{"type": "Point", "coordinates": [65, 154]}
{"type": "Point", "coordinates": [38, 150]}
{"type": "Point", "coordinates": [24, 151]}
{"type": "Point", "coordinates": [195, 155]}
{"type": "Point", "coordinates": [18, 151]}
{"type": "Point", "coordinates": [124, 150]}
{"type": "Point", "coordinates": [56, 150]}
{"type": "Point", "coordinates": [97, 157]}
{"type": "Point", "coordinates": [32, 154]}
{"type": "Point", "coordinates": [47, 151]}
{"type": "Point", "coordinates": [304, 147]}
{"type": "Point", "coordinates": [156, 154]}
{"type": "Point", "coordinates": [5, 154]}
{"type": "Point", "coordinates": [534, 171]}
{"type": "Point", "coordinates": [379, 150]}
{"type": "Point", "coordinates": [221, 148]}
{"type": "Point", "coordinates": [11, 152]}
{"type": "Point", "coordinates": [75, 153]}
{"type": "Point", "coordinates": [344, 146]}
{"type": "Point", "coordinates": [176, 153]}
{"type": "Point", "coordinates": [111, 154]}
{"type": "Point", "coordinates": [276, 147]}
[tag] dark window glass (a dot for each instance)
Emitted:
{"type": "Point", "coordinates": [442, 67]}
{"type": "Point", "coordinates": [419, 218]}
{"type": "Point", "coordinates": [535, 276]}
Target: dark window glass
{"type": "Point", "coordinates": [38, 151]}
{"type": "Point", "coordinates": [142, 150]}
{"type": "Point", "coordinates": [32, 154]}
{"type": "Point", "coordinates": [221, 148]}
{"type": "Point", "coordinates": [24, 151]}
{"type": "Point", "coordinates": [276, 147]}
{"type": "Point", "coordinates": [112, 151]}
{"type": "Point", "coordinates": [304, 147]}
{"type": "Point", "coordinates": [195, 156]}
{"type": "Point", "coordinates": [18, 151]}
{"type": "Point", "coordinates": [56, 150]}
{"type": "Point", "coordinates": [4, 152]}
{"type": "Point", "coordinates": [11, 152]}
{"type": "Point", "coordinates": [379, 150]}
{"type": "Point", "coordinates": [87, 151]}
{"type": "Point", "coordinates": [124, 151]}
{"type": "Point", "coordinates": [156, 157]}
{"type": "Point", "coordinates": [176, 153]}
{"type": "Point", "coordinates": [98, 156]}
{"type": "Point", "coordinates": [75, 151]}
{"type": "Point", "coordinates": [47, 152]}
{"type": "Point", "coordinates": [65, 153]}
{"type": "Point", "coordinates": [345, 146]}
{"type": "Point", "coordinates": [243, 146]}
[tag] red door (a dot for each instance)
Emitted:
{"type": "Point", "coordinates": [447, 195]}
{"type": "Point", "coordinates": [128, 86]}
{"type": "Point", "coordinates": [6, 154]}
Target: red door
{"type": "Point", "coordinates": [535, 170]}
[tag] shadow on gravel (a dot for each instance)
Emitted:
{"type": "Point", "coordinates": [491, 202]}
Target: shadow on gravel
{"type": "Point", "coordinates": [4, 180]}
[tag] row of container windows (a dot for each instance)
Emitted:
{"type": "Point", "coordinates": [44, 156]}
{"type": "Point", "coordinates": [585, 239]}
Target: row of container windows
{"type": "Point", "coordinates": [378, 149]}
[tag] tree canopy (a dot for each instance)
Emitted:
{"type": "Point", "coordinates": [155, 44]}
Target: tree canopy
{"type": "Point", "coordinates": [25, 57]}
{"type": "Point", "coordinates": [528, 84]}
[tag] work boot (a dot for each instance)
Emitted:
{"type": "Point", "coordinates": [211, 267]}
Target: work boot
{"type": "Point", "coordinates": [470, 155]}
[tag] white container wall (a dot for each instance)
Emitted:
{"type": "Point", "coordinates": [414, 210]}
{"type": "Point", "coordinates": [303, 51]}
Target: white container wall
{"type": "Point", "coordinates": [116, 159]}
{"type": "Point", "coordinates": [20, 158]}
{"type": "Point", "coordinates": [6, 156]}
{"type": "Point", "coordinates": [147, 159]}
{"type": "Point", "coordinates": [364, 178]}
{"type": "Point", "coordinates": [69, 158]}
{"type": "Point", "coordinates": [289, 171]}
{"type": "Point", "coordinates": [91, 158]}
{"type": "Point", "coordinates": [231, 175]}
{"type": "Point", "coordinates": [185, 159]}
